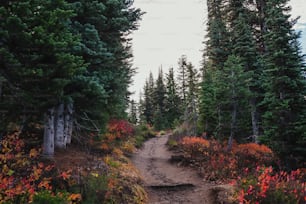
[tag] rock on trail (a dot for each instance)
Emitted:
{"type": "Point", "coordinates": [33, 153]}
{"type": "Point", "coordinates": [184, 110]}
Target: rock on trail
{"type": "Point", "coordinates": [166, 182]}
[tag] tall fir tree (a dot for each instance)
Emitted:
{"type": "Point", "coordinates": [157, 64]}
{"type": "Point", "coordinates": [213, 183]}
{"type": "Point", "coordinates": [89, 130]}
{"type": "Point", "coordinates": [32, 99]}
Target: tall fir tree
{"type": "Point", "coordinates": [182, 79]}
{"type": "Point", "coordinates": [133, 118]}
{"type": "Point", "coordinates": [160, 119]}
{"type": "Point", "coordinates": [62, 57]}
{"type": "Point", "coordinates": [148, 100]}
{"type": "Point", "coordinates": [244, 46]}
{"type": "Point", "coordinates": [38, 63]}
{"type": "Point", "coordinates": [284, 117]}
{"type": "Point", "coordinates": [173, 101]}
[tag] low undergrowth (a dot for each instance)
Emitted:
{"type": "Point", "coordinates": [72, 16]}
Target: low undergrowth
{"type": "Point", "coordinates": [73, 176]}
{"type": "Point", "coordinates": [248, 167]}
{"type": "Point", "coordinates": [26, 177]}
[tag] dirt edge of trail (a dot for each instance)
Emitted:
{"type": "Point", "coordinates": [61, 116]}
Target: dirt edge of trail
{"type": "Point", "coordinates": [166, 182]}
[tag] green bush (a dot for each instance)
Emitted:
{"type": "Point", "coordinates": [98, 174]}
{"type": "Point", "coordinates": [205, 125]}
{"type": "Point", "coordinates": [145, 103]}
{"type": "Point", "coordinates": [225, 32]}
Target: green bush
{"type": "Point", "coordinates": [143, 133]}
{"type": "Point", "coordinates": [95, 189]}
{"type": "Point", "coordinates": [139, 140]}
{"type": "Point", "coordinates": [46, 197]}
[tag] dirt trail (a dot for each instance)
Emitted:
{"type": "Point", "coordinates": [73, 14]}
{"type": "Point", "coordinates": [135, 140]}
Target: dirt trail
{"type": "Point", "coordinates": [166, 182]}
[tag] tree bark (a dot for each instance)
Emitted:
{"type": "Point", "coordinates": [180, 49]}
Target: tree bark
{"type": "Point", "coordinates": [60, 140]}
{"type": "Point", "coordinates": [68, 122]}
{"type": "Point", "coordinates": [233, 125]}
{"type": "Point", "coordinates": [254, 115]}
{"type": "Point", "coordinates": [1, 85]}
{"type": "Point", "coordinates": [48, 144]}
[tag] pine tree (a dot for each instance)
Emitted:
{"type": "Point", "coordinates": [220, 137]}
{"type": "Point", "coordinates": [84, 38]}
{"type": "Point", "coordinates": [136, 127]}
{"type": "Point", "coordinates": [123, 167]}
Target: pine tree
{"type": "Point", "coordinates": [148, 101]}
{"type": "Point", "coordinates": [104, 26]}
{"type": "Point", "coordinates": [133, 112]}
{"type": "Point", "coordinates": [236, 88]}
{"type": "Point", "coordinates": [61, 58]}
{"type": "Point", "coordinates": [192, 83]}
{"type": "Point", "coordinates": [208, 114]}
{"type": "Point", "coordinates": [283, 82]}
{"type": "Point", "coordinates": [173, 101]}
{"type": "Point", "coordinates": [216, 50]}
{"type": "Point", "coordinates": [182, 79]}
{"type": "Point", "coordinates": [159, 97]}
{"type": "Point", "coordinates": [214, 56]}
{"type": "Point", "coordinates": [37, 60]}
{"type": "Point", "coordinates": [243, 45]}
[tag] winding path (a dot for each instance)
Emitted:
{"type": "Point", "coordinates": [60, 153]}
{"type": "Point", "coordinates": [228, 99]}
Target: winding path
{"type": "Point", "coordinates": [166, 182]}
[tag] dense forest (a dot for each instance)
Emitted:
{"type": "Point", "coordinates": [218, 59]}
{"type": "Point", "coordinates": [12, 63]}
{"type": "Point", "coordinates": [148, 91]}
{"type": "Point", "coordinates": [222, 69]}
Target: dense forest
{"type": "Point", "coordinates": [68, 126]}
{"type": "Point", "coordinates": [65, 63]}
{"type": "Point", "coordinates": [251, 86]}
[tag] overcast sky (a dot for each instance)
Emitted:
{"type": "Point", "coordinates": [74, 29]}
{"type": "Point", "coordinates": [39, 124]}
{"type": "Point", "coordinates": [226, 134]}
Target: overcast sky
{"type": "Point", "coordinates": [171, 28]}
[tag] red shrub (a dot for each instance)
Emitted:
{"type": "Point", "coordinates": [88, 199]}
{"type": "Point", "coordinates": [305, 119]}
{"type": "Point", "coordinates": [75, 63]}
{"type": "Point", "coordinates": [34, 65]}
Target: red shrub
{"type": "Point", "coordinates": [22, 175]}
{"type": "Point", "coordinates": [251, 155]}
{"type": "Point", "coordinates": [267, 186]}
{"type": "Point", "coordinates": [120, 128]}
{"type": "Point", "coordinates": [211, 157]}
{"type": "Point", "coordinates": [118, 131]}
{"type": "Point", "coordinates": [194, 147]}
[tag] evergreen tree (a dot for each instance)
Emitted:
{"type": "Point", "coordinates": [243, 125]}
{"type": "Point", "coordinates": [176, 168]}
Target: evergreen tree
{"type": "Point", "coordinates": [243, 45]}
{"type": "Point", "coordinates": [214, 57]}
{"type": "Point", "coordinates": [182, 79]}
{"type": "Point", "coordinates": [160, 120]}
{"type": "Point", "coordinates": [284, 83]}
{"type": "Point", "coordinates": [148, 103]}
{"type": "Point", "coordinates": [133, 112]}
{"type": "Point", "coordinates": [104, 26]}
{"type": "Point", "coordinates": [216, 51]}
{"type": "Point", "coordinates": [37, 61]}
{"type": "Point", "coordinates": [192, 83]}
{"type": "Point", "coordinates": [235, 80]}
{"type": "Point", "coordinates": [61, 58]}
{"type": "Point", "coordinates": [207, 103]}
{"type": "Point", "coordinates": [173, 101]}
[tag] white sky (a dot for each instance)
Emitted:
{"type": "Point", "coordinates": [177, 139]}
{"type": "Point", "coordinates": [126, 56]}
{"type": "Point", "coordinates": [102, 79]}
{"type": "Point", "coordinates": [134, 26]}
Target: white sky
{"type": "Point", "coordinates": [171, 28]}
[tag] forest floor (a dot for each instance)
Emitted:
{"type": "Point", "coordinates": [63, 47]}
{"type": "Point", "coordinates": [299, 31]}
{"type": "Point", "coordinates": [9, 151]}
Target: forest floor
{"type": "Point", "coordinates": [167, 182]}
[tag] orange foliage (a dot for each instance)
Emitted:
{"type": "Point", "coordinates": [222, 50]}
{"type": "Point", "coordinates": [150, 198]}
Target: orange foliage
{"type": "Point", "coordinates": [268, 186]}
{"type": "Point", "coordinates": [22, 175]}
{"type": "Point", "coordinates": [253, 148]}
{"type": "Point", "coordinates": [120, 128]}
{"type": "Point", "coordinates": [75, 198]}
{"type": "Point", "coordinates": [118, 131]}
{"type": "Point", "coordinates": [195, 141]}
{"type": "Point", "coordinates": [243, 165]}
{"type": "Point", "coordinates": [251, 155]}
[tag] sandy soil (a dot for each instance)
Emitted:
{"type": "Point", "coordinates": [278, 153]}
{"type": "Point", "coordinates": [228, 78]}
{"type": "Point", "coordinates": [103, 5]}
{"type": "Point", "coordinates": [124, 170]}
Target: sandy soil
{"type": "Point", "coordinates": [167, 182]}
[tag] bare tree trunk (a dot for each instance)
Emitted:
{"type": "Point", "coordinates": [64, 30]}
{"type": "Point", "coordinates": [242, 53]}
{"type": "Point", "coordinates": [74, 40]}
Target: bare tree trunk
{"type": "Point", "coordinates": [48, 145]}
{"type": "Point", "coordinates": [219, 126]}
{"type": "Point", "coordinates": [233, 125]}
{"type": "Point", "coordinates": [254, 116]}
{"type": "Point", "coordinates": [1, 85]}
{"type": "Point", "coordinates": [60, 140]}
{"type": "Point", "coordinates": [68, 122]}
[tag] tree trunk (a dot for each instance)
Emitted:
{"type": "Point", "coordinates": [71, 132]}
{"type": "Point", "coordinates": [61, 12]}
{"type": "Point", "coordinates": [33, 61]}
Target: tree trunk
{"type": "Point", "coordinates": [1, 85]}
{"type": "Point", "coordinates": [254, 115]}
{"type": "Point", "coordinates": [60, 140]}
{"type": "Point", "coordinates": [219, 126]}
{"type": "Point", "coordinates": [68, 122]}
{"type": "Point", "coordinates": [48, 145]}
{"type": "Point", "coordinates": [261, 6]}
{"type": "Point", "coordinates": [233, 125]}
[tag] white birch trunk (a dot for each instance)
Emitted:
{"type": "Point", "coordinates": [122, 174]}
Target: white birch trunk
{"type": "Point", "coordinates": [48, 145]}
{"type": "Point", "coordinates": [68, 122]}
{"type": "Point", "coordinates": [233, 125]}
{"type": "Point", "coordinates": [254, 116]}
{"type": "Point", "coordinates": [60, 140]}
{"type": "Point", "coordinates": [1, 84]}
